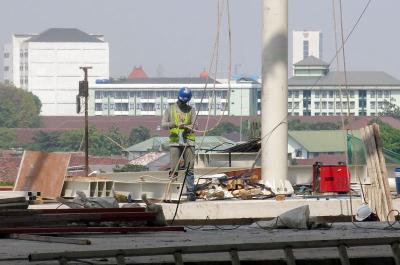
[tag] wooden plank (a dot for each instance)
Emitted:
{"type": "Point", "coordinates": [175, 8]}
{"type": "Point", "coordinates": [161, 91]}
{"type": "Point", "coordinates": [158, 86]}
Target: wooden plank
{"type": "Point", "coordinates": [66, 218]}
{"type": "Point", "coordinates": [44, 172]}
{"type": "Point", "coordinates": [11, 200]}
{"type": "Point", "coordinates": [382, 162]}
{"type": "Point", "coordinates": [85, 230]}
{"type": "Point", "coordinates": [178, 258]}
{"type": "Point", "coordinates": [51, 239]}
{"type": "Point", "coordinates": [289, 256]}
{"type": "Point", "coordinates": [343, 256]}
{"type": "Point", "coordinates": [14, 205]}
{"type": "Point", "coordinates": [234, 257]}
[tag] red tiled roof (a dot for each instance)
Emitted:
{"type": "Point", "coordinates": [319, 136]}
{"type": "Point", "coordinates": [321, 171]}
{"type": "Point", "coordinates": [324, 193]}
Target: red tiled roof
{"type": "Point", "coordinates": [137, 72]}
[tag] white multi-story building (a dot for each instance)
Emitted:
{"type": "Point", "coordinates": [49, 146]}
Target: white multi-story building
{"type": "Point", "coordinates": [313, 91]}
{"type": "Point", "coordinates": [151, 96]}
{"type": "Point", "coordinates": [48, 65]}
{"type": "Point", "coordinates": [306, 43]}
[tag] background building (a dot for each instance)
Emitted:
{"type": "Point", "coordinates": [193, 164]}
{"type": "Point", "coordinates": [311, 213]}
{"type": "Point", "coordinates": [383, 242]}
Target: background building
{"type": "Point", "coordinates": [151, 96]}
{"type": "Point", "coordinates": [306, 43]}
{"type": "Point", "coordinates": [47, 65]}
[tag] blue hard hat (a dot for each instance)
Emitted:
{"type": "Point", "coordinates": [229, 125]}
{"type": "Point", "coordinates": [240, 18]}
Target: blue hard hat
{"type": "Point", "coordinates": [184, 94]}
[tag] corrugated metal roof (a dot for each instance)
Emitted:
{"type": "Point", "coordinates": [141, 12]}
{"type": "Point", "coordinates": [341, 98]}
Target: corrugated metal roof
{"type": "Point", "coordinates": [210, 143]}
{"type": "Point", "coordinates": [322, 141]}
{"type": "Point", "coordinates": [63, 35]}
{"type": "Point", "coordinates": [354, 78]}
{"type": "Point", "coordinates": [311, 61]}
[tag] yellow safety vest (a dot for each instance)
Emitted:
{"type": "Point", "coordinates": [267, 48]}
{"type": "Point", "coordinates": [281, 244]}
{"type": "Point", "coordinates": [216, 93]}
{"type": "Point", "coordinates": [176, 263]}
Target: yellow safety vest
{"type": "Point", "coordinates": [174, 132]}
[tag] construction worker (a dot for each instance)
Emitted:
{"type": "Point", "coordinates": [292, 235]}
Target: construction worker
{"type": "Point", "coordinates": [179, 119]}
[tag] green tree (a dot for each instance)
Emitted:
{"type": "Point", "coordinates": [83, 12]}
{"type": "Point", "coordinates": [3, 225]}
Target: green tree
{"type": "Point", "coordinates": [223, 128]}
{"type": "Point", "coordinates": [8, 138]}
{"type": "Point", "coordinates": [46, 142]}
{"type": "Point", "coordinates": [391, 109]}
{"type": "Point", "coordinates": [297, 125]}
{"type": "Point", "coordinates": [18, 108]}
{"type": "Point", "coordinates": [138, 134]}
{"type": "Point", "coordinates": [71, 141]}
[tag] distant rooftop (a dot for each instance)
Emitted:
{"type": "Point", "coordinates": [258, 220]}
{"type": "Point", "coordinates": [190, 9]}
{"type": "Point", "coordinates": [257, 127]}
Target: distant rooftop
{"type": "Point", "coordinates": [354, 78]}
{"type": "Point", "coordinates": [311, 61]}
{"type": "Point", "coordinates": [167, 80]}
{"type": "Point", "coordinates": [64, 35]}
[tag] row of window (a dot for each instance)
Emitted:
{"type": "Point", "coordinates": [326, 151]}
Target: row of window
{"type": "Point", "coordinates": [154, 94]}
{"type": "Point", "coordinates": [336, 93]}
{"type": "Point", "coordinates": [23, 53]}
{"type": "Point", "coordinates": [150, 106]}
{"type": "Point", "coordinates": [330, 105]}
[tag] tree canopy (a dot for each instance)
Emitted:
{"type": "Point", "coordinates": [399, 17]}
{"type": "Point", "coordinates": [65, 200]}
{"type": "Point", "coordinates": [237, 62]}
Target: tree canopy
{"type": "Point", "coordinates": [223, 128]}
{"type": "Point", "coordinates": [138, 134]}
{"type": "Point", "coordinates": [18, 108]}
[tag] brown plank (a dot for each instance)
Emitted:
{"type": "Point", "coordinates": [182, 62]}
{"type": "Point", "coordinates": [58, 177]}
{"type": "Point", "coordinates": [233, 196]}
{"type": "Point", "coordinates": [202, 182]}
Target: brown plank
{"type": "Point", "coordinates": [44, 172]}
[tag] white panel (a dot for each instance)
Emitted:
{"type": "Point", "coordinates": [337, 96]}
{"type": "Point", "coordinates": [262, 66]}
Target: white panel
{"type": "Point", "coordinates": [67, 96]}
{"type": "Point", "coordinates": [95, 56]}
{"type": "Point", "coordinates": [42, 55]}
{"type": "Point", "coordinates": [69, 69]}
{"type": "Point", "coordinates": [39, 83]}
{"type": "Point", "coordinates": [70, 83]}
{"type": "Point", "coordinates": [69, 55]}
{"type": "Point", "coordinates": [42, 69]}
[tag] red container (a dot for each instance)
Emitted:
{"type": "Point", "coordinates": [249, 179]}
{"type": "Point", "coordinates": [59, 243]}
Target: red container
{"type": "Point", "coordinates": [331, 178]}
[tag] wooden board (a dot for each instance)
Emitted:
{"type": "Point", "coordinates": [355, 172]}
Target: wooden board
{"type": "Point", "coordinates": [44, 172]}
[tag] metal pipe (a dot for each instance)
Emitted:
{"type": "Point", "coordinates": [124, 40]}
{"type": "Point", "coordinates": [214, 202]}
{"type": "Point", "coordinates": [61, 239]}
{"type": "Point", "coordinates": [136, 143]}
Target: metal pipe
{"type": "Point", "coordinates": [274, 94]}
{"type": "Point", "coordinates": [85, 70]}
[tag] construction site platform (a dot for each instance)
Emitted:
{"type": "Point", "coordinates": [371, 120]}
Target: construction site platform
{"type": "Point", "coordinates": [14, 251]}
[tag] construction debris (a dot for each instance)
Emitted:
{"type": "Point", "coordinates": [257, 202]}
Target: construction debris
{"type": "Point", "coordinates": [298, 218]}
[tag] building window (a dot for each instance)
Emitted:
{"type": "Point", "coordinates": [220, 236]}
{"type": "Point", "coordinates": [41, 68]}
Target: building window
{"type": "Point", "coordinates": [372, 113]}
{"type": "Point", "coordinates": [372, 94]}
{"type": "Point", "coordinates": [330, 94]}
{"type": "Point", "coordinates": [379, 94]}
{"type": "Point", "coordinates": [337, 105]}
{"type": "Point", "coordinates": [21, 67]}
{"type": "Point", "coordinates": [324, 94]}
{"type": "Point", "coordinates": [97, 95]}
{"type": "Point", "coordinates": [352, 105]}
{"type": "Point", "coordinates": [289, 105]}
{"type": "Point", "coordinates": [316, 105]}
{"type": "Point", "coordinates": [337, 94]}
{"type": "Point", "coordinates": [372, 104]}
{"type": "Point", "coordinates": [296, 94]}
{"type": "Point", "coordinates": [6, 68]}
{"type": "Point", "coordinates": [290, 93]}
{"type": "Point", "coordinates": [296, 105]}
{"type": "Point", "coordinates": [132, 94]}
{"type": "Point", "coordinates": [98, 107]}
{"type": "Point", "coordinates": [324, 104]}
{"type": "Point", "coordinates": [352, 94]}
{"type": "Point", "coordinates": [305, 48]}
{"type": "Point", "coordinates": [111, 106]}
{"type": "Point", "coordinates": [6, 55]}
{"type": "Point", "coordinates": [121, 106]}
{"type": "Point", "coordinates": [316, 93]}
{"type": "Point", "coordinates": [330, 105]}
{"type": "Point", "coordinates": [380, 105]}
{"type": "Point", "coordinates": [105, 106]}
{"type": "Point", "coordinates": [386, 93]}
{"type": "Point", "coordinates": [132, 106]}
{"type": "Point", "coordinates": [316, 113]}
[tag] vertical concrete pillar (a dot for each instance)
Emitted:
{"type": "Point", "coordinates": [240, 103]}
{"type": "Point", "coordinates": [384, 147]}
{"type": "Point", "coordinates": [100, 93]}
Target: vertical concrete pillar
{"type": "Point", "coordinates": [274, 95]}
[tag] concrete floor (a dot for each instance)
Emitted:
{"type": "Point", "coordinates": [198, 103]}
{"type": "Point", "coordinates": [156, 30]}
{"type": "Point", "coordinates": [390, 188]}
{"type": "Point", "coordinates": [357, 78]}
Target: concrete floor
{"type": "Point", "coordinates": [16, 251]}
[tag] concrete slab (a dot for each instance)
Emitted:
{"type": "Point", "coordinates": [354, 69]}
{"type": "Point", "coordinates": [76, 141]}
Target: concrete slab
{"type": "Point", "coordinates": [16, 251]}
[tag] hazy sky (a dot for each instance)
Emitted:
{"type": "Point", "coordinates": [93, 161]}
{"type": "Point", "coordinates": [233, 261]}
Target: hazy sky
{"type": "Point", "coordinates": [175, 37]}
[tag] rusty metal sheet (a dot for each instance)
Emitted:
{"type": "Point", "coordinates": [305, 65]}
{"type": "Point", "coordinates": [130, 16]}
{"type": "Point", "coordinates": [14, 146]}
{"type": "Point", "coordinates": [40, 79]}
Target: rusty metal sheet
{"type": "Point", "coordinates": [44, 172]}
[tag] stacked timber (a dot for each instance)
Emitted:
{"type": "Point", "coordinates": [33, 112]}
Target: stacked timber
{"type": "Point", "coordinates": [83, 220]}
{"type": "Point", "coordinates": [377, 193]}
{"type": "Point", "coordinates": [14, 203]}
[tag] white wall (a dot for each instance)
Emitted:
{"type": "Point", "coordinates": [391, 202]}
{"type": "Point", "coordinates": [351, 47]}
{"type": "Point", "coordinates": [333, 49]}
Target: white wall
{"type": "Point", "coordinates": [315, 44]}
{"type": "Point", "coordinates": [54, 72]}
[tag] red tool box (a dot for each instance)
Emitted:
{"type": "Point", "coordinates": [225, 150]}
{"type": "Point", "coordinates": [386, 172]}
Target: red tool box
{"type": "Point", "coordinates": [331, 178]}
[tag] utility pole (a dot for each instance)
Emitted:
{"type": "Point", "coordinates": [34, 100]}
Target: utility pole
{"type": "Point", "coordinates": [84, 92]}
{"type": "Point", "coordinates": [274, 133]}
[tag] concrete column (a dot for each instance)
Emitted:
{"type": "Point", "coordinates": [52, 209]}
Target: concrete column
{"type": "Point", "coordinates": [274, 95]}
